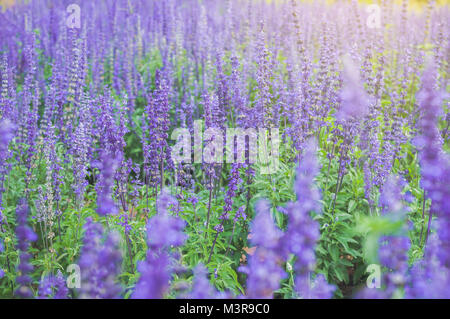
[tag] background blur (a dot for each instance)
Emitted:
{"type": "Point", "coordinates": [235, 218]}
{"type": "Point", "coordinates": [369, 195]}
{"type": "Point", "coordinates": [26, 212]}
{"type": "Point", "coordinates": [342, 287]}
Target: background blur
{"type": "Point", "coordinates": [6, 3]}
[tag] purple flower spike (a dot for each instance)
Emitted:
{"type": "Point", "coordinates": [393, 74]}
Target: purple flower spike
{"type": "Point", "coordinates": [25, 235]}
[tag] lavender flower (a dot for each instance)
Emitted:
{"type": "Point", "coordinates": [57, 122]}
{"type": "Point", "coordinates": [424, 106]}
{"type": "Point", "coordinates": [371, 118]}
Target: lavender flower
{"type": "Point", "coordinates": [25, 235]}
{"type": "Point", "coordinates": [391, 198]}
{"type": "Point", "coordinates": [164, 232]}
{"type": "Point", "coordinates": [100, 263]}
{"type": "Point", "coordinates": [124, 222]}
{"type": "Point", "coordinates": [354, 100]}
{"type": "Point", "coordinates": [193, 200]}
{"type": "Point", "coordinates": [53, 287]}
{"type": "Point", "coordinates": [302, 231]}
{"type": "Point", "coordinates": [80, 144]}
{"type": "Point", "coordinates": [393, 248]}
{"type": "Point", "coordinates": [233, 183]}
{"type": "Point", "coordinates": [435, 165]}
{"type": "Point", "coordinates": [393, 254]}
{"type": "Point", "coordinates": [240, 214]}
{"type": "Point", "coordinates": [6, 135]}
{"type": "Point", "coordinates": [264, 270]}
{"type": "Point", "coordinates": [428, 278]}
{"type": "Point", "coordinates": [201, 287]}
{"type": "Point", "coordinates": [105, 203]}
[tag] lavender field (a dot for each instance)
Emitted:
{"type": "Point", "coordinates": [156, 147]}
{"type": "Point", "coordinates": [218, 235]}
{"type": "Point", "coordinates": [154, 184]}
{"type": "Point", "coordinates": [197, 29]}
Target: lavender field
{"type": "Point", "coordinates": [202, 149]}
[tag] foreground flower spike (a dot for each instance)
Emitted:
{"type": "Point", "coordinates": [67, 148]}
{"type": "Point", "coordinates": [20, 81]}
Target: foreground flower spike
{"type": "Point", "coordinates": [201, 287]}
{"type": "Point", "coordinates": [6, 135]}
{"type": "Point", "coordinates": [302, 232]}
{"type": "Point", "coordinates": [163, 232]}
{"type": "Point", "coordinates": [107, 165]}
{"type": "Point", "coordinates": [25, 235]}
{"type": "Point", "coordinates": [428, 279]}
{"type": "Point", "coordinates": [53, 287]}
{"type": "Point", "coordinates": [354, 100]}
{"type": "Point", "coordinates": [435, 164]}
{"type": "Point", "coordinates": [264, 266]}
{"type": "Point", "coordinates": [393, 254]}
{"type": "Point", "coordinates": [100, 263]}
{"type": "Point", "coordinates": [393, 248]}
{"type": "Point", "coordinates": [391, 198]}
{"type": "Point", "coordinates": [155, 276]}
{"type": "Point", "coordinates": [429, 142]}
